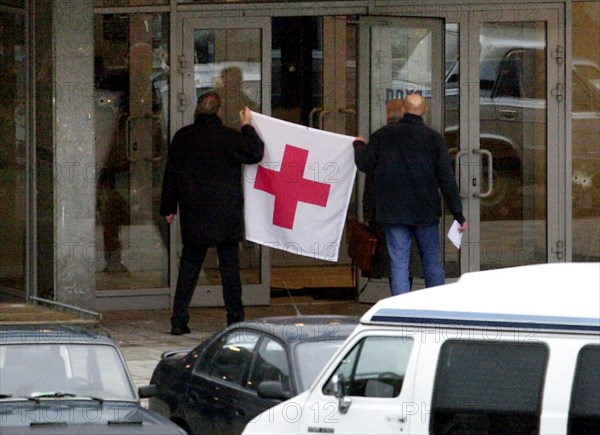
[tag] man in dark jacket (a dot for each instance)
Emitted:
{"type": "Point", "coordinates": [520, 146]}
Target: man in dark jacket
{"type": "Point", "coordinates": [204, 177]}
{"type": "Point", "coordinates": [410, 164]}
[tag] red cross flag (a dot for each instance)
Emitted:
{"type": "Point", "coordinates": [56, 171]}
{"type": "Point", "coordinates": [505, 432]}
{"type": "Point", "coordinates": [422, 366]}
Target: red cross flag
{"type": "Point", "coordinates": [297, 197]}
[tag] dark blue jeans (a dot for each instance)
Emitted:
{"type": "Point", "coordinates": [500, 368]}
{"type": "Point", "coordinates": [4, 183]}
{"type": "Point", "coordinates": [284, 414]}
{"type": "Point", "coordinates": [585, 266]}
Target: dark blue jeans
{"type": "Point", "coordinates": [189, 269]}
{"type": "Point", "coordinates": [399, 238]}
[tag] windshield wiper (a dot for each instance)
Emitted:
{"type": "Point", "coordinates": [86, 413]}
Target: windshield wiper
{"type": "Point", "coordinates": [60, 395]}
{"type": "Point", "coordinates": [125, 422]}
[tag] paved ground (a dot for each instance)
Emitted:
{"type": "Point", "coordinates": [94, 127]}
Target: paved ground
{"type": "Point", "coordinates": [144, 335]}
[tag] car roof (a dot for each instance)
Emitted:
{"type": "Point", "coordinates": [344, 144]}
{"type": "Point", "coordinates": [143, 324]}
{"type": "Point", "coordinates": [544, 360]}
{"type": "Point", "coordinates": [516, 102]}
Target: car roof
{"type": "Point", "coordinates": [51, 334]}
{"type": "Point", "coordinates": [559, 296]}
{"type": "Point", "coordinates": [303, 328]}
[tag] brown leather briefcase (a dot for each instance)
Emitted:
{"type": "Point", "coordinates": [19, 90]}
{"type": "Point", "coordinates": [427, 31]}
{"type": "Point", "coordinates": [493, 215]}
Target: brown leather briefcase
{"type": "Point", "coordinates": [361, 245]}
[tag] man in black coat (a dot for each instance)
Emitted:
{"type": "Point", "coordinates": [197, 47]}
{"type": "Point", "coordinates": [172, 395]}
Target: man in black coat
{"type": "Point", "coordinates": [204, 177]}
{"type": "Point", "coordinates": [410, 165]}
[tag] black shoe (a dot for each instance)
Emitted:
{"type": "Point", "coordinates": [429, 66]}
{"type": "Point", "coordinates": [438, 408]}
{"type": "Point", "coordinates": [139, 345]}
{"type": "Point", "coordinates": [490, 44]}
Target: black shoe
{"type": "Point", "coordinates": [180, 330]}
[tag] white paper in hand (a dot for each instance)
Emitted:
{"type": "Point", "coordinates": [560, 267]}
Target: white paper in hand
{"type": "Point", "coordinates": [454, 235]}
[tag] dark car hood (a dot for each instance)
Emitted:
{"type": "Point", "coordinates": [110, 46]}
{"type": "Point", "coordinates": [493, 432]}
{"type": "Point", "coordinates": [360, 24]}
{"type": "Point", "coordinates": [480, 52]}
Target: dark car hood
{"type": "Point", "coordinates": [81, 416]}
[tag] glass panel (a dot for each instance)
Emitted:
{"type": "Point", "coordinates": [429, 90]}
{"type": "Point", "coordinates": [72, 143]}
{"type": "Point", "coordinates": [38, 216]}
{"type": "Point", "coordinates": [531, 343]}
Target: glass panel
{"type": "Point", "coordinates": [375, 367]}
{"type": "Point", "coordinates": [131, 121]}
{"type": "Point", "coordinates": [452, 132]}
{"type": "Point", "coordinates": [13, 155]}
{"type": "Point", "coordinates": [232, 361]}
{"type": "Point", "coordinates": [86, 370]}
{"type": "Point", "coordinates": [306, 77]}
{"type": "Point", "coordinates": [401, 64]}
{"type": "Point", "coordinates": [585, 183]}
{"type": "Point", "coordinates": [230, 63]}
{"type": "Point", "coordinates": [271, 364]}
{"type": "Point", "coordinates": [513, 129]}
{"type": "Point", "coordinates": [584, 412]}
{"type": "Point", "coordinates": [481, 387]}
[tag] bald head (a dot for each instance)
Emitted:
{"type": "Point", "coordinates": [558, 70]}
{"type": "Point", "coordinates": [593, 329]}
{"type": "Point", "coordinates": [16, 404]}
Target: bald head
{"type": "Point", "coordinates": [395, 109]}
{"type": "Point", "coordinates": [415, 104]}
{"type": "Point", "coordinates": [209, 103]}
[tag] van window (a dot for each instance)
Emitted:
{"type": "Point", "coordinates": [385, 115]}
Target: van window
{"type": "Point", "coordinates": [375, 367]}
{"type": "Point", "coordinates": [488, 388]}
{"type": "Point", "coordinates": [584, 412]}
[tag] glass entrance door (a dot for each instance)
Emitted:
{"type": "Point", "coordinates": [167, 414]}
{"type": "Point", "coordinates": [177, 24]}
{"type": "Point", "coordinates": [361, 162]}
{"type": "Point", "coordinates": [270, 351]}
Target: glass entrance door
{"type": "Point", "coordinates": [511, 163]}
{"type": "Point", "coordinates": [231, 57]}
{"type": "Point", "coordinates": [405, 55]}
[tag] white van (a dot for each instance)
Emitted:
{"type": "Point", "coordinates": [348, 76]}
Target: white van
{"type": "Point", "coordinates": [509, 351]}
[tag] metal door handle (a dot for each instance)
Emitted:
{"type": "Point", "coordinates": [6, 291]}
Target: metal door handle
{"type": "Point", "coordinates": [311, 116]}
{"type": "Point", "coordinates": [508, 114]}
{"type": "Point", "coordinates": [321, 116]}
{"type": "Point", "coordinates": [457, 170]}
{"type": "Point", "coordinates": [488, 192]}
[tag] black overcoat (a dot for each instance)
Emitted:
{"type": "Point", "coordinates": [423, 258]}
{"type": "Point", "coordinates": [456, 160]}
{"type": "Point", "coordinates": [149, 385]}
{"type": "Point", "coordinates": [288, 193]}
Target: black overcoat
{"type": "Point", "coordinates": [410, 164]}
{"type": "Point", "coordinates": [204, 178]}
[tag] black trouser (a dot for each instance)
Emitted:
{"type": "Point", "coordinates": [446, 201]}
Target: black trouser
{"type": "Point", "coordinates": [189, 269]}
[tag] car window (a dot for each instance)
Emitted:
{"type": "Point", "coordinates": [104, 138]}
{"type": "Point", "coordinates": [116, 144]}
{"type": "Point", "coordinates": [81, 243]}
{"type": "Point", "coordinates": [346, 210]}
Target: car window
{"type": "Point", "coordinates": [232, 356]}
{"type": "Point", "coordinates": [311, 357]}
{"type": "Point", "coordinates": [584, 412]}
{"type": "Point", "coordinates": [375, 367]}
{"type": "Point", "coordinates": [271, 364]}
{"type": "Point", "coordinates": [483, 386]}
{"type": "Point", "coordinates": [80, 369]}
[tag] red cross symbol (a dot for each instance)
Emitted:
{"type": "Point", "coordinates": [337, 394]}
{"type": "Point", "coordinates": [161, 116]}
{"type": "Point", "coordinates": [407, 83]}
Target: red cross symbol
{"type": "Point", "coordinates": [289, 186]}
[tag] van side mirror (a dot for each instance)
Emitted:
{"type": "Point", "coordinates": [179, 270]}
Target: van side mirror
{"type": "Point", "coordinates": [339, 391]}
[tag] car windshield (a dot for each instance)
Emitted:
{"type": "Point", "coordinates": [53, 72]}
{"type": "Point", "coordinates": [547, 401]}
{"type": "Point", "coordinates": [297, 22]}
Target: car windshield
{"type": "Point", "coordinates": [89, 370]}
{"type": "Point", "coordinates": [312, 357]}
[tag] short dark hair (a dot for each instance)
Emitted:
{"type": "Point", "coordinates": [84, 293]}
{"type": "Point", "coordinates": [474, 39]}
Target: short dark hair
{"type": "Point", "coordinates": [208, 103]}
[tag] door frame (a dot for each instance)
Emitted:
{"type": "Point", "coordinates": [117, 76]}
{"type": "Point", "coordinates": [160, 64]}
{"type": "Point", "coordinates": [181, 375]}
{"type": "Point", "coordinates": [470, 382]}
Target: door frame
{"type": "Point", "coordinates": [555, 212]}
{"type": "Point", "coordinates": [462, 14]}
{"type": "Point", "coordinates": [182, 111]}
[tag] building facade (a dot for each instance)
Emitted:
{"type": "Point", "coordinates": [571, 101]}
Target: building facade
{"type": "Point", "coordinates": [93, 90]}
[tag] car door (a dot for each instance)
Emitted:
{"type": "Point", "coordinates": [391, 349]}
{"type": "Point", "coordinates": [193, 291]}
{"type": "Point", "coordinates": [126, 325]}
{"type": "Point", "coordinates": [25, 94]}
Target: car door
{"type": "Point", "coordinates": [271, 363]}
{"type": "Point", "coordinates": [217, 398]}
{"type": "Point", "coordinates": [376, 383]}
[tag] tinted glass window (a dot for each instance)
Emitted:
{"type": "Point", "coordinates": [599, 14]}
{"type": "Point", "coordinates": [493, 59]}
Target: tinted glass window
{"type": "Point", "coordinates": [488, 388]}
{"type": "Point", "coordinates": [271, 365]}
{"type": "Point", "coordinates": [232, 357]}
{"type": "Point", "coordinates": [375, 367]}
{"type": "Point", "coordinates": [584, 413]}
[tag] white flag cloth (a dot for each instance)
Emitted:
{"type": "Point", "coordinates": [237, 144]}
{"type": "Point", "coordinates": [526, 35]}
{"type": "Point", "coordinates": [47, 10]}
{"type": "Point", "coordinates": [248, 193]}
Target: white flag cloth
{"type": "Point", "coordinates": [297, 197]}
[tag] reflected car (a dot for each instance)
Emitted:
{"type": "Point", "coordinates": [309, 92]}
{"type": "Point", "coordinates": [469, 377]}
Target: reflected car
{"type": "Point", "coordinates": [63, 380]}
{"type": "Point", "coordinates": [245, 369]}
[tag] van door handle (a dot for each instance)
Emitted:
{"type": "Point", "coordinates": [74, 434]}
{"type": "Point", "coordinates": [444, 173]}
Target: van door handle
{"type": "Point", "coordinates": [508, 114]}
{"type": "Point", "coordinates": [396, 419]}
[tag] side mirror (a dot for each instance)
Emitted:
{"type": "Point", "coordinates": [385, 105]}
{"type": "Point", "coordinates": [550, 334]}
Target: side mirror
{"type": "Point", "coordinates": [272, 390]}
{"type": "Point", "coordinates": [147, 391]}
{"type": "Point", "coordinates": [339, 391]}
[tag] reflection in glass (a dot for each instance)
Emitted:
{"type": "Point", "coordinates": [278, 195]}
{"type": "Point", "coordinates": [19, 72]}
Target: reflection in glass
{"type": "Point", "coordinates": [230, 63]}
{"type": "Point", "coordinates": [400, 66]}
{"type": "Point", "coordinates": [512, 111]}
{"type": "Point", "coordinates": [585, 182]}
{"type": "Point", "coordinates": [12, 151]}
{"type": "Point", "coordinates": [131, 125]}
